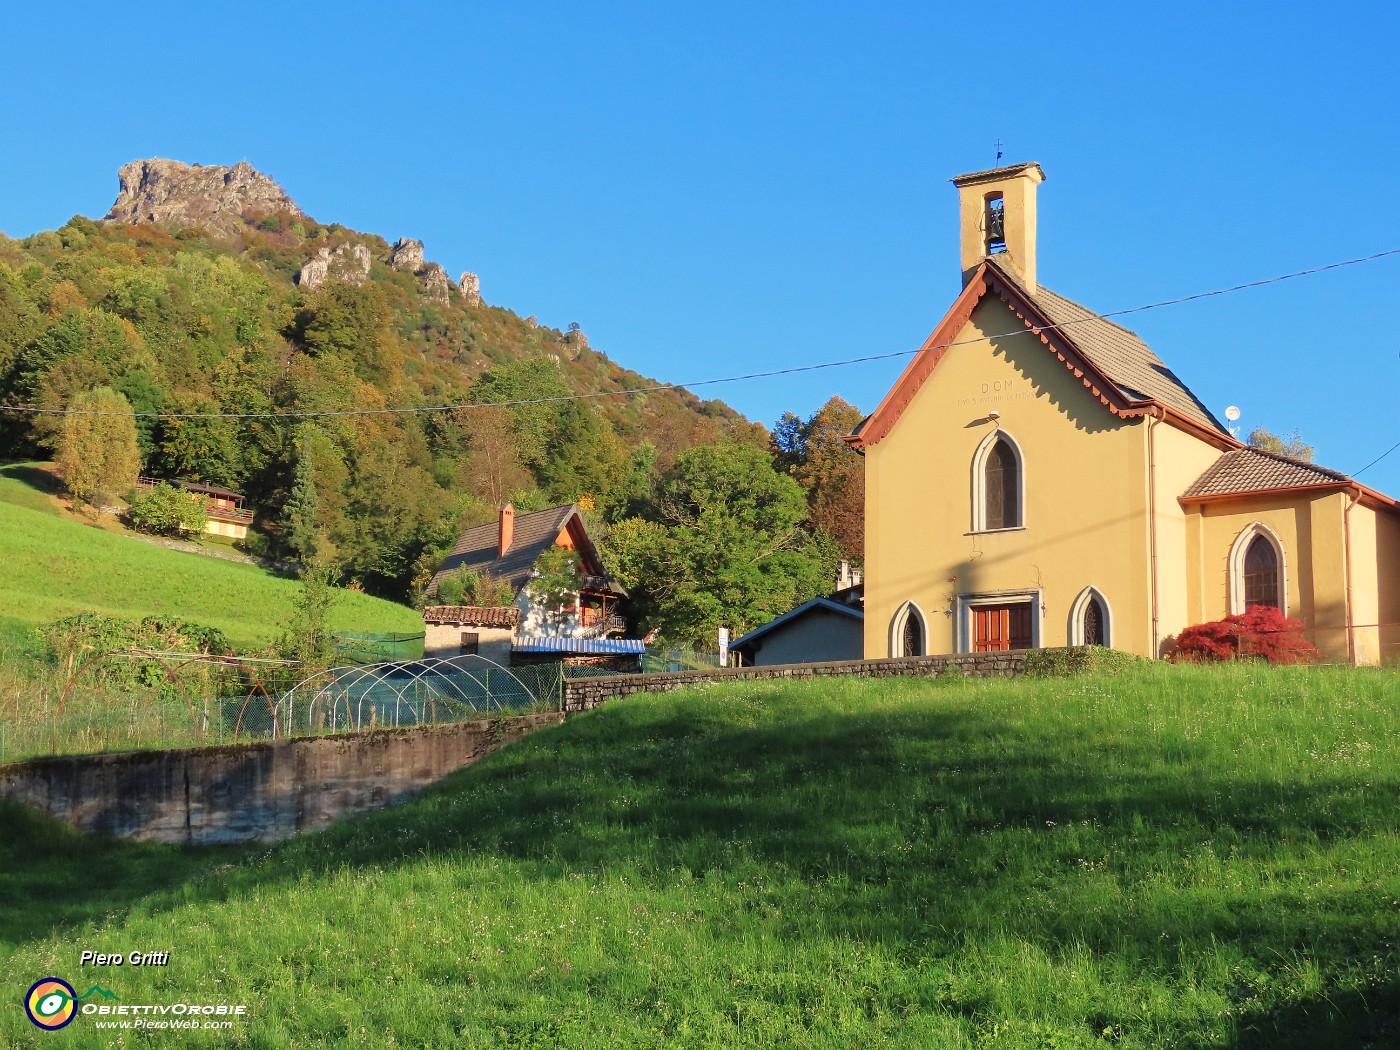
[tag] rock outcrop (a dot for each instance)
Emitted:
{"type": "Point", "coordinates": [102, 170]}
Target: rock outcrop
{"type": "Point", "coordinates": [406, 255]}
{"type": "Point", "coordinates": [227, 201]}
{"type": "Point", "coordinates": [435, 283]}
{"type": "Point", "coordinates": [219, 199]}
{"type": "Point", "coordinates": [349, 263]}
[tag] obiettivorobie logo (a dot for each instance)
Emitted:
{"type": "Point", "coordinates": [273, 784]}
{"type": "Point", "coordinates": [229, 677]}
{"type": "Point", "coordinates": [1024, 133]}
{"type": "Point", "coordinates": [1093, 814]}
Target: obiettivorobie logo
{"type": "Point", "coordinates": [52, 1003]}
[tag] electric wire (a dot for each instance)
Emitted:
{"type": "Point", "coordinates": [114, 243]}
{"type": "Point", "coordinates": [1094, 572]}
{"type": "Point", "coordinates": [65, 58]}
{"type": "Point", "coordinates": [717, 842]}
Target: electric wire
{"type": "Point", "coordinates": [769, 374]}
{"type": "Point", "coordinates": [1373, 462]}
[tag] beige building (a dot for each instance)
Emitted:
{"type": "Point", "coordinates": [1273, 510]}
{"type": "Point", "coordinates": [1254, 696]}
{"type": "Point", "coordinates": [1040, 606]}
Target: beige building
{"type": "Point", "coordinates": [1038, 477]}
{"type": "Point", "coordinates": [585, 630]}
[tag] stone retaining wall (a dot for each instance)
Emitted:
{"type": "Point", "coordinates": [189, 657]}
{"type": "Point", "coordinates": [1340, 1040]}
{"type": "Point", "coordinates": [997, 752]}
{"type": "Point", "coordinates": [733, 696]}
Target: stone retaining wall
{"type": "Point", "coordinates": [270, 790]}
{"type": "Point", "coordinates": [581, 694]}
{"type": "Point", "coordinates": [258, 791]}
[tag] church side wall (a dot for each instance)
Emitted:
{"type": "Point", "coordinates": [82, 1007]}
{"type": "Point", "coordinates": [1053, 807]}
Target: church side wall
{"type": "Point", "coordinates": [1375, 574]}
{"type": "Point", "coordinates": [1387, 574]}
{"type": "Point", "coordinates": [1180, 459]}
{"type": "Point", "coordinates": [1310, 529]}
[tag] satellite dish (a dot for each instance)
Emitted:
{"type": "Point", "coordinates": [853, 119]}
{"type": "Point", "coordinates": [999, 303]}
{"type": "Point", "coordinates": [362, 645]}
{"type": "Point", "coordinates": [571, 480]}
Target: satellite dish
{"type": "Point", "coordinates": [1232, 413]}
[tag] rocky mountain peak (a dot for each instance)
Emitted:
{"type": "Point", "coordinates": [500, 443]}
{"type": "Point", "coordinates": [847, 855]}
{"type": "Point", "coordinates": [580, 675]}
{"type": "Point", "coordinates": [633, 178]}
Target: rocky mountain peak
{"type": "Point", "coordinates": [180, 195]}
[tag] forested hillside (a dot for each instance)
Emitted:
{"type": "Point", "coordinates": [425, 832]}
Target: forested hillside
{"type": "Point", "coordinates": [261, 350]}
{"type": "Point", "coordinates": [200, 320]}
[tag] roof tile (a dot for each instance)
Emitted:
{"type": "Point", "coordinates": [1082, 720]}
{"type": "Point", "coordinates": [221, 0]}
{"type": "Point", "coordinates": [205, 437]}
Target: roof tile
{"type": "Point", "coordinates": [473, 615]}
{"type": "Point", "coordinates": [1254, 470]}
{"type": "Point", "coordinates": [1121, 355]}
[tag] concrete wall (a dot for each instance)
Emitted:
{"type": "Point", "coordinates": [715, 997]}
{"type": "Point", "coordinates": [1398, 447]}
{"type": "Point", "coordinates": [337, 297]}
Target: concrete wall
{"type": "Point", "coordinates": [260, 791]}
{"type": "Point", "coordinates": [443, 641]}
{"type": "Point", "coordinates": [271, 790]}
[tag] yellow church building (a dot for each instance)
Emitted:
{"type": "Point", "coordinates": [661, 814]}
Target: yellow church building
{"type": "Point", "coordinates": [1038, 477]}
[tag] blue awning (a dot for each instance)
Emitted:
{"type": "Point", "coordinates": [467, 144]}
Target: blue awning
{"type": "Point", "coordinates": [553, 643]}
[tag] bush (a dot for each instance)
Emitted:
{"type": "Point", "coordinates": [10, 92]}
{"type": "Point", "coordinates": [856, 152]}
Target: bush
{"type": "Point", "coordinates": [470, 587]}
{"type": "Point", "coordinates": [73, 640]}
{"type": "Point", "coordinates": [167, 511]}
{"type": "Point", "coordinates": [1260, 632]}
{"type": "Point", "coordinates": [1082, 659]}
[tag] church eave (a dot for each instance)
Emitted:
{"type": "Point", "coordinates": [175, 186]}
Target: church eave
{"type": "Point", "coordinates": [1277, 491]}
{"type": "Point", "coordinates": [1053, 337]}
{"type": "Point", "coordinates": [1061, 344]}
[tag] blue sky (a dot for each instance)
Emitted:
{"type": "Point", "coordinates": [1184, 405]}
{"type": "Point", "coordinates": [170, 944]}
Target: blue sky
{"type": "Point", "coordinates": [719, 189]}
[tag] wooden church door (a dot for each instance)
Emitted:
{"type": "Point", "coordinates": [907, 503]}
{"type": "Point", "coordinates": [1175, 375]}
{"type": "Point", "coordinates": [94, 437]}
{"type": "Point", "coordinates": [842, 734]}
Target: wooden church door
{"type": "Point", "coordinates": [997, 628]}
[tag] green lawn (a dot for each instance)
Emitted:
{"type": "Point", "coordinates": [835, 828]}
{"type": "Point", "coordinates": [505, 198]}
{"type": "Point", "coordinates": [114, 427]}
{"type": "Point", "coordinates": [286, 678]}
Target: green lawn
{"type": "Point", "coordinates": [1178, 857]}
{"type": "Point", "coordinates": [54, 567]}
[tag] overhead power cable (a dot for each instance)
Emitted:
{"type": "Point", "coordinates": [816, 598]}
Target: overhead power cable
{"type": "Point", "coordinates": [1373, 462]}
{"type": "Point", "coordinates": [663, 387]}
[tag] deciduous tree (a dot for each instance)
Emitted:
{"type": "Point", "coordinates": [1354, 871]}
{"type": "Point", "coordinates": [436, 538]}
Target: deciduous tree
{"type": "Point", "coordinates": [729, 547]}
{"type": "Point", "coordinates": [830, 471]}
{"type": "Point", "coordinates": [97, 455]}
{"type": "Point", "coordinates": [1291, 444]}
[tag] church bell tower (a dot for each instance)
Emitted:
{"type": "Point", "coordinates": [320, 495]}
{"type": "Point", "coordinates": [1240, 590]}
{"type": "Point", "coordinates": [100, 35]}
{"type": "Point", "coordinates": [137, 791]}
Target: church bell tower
{"type": "Point", "coordinates": [997, 217]}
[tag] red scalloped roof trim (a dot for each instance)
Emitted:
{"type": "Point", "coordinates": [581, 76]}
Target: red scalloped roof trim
{"type": "Point", "coordinates": [883, 419]}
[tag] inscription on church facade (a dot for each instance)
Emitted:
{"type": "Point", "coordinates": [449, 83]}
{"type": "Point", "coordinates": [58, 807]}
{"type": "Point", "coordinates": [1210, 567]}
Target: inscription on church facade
{"type": "Point", "coordinates": [995, 391]}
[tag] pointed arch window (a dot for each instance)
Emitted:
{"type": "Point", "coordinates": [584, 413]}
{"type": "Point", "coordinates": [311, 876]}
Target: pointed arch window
{"type": "Point", "coordinates": [1093, 625]}
{"type": "Point", "coordinates": [1258, 570]}
{"type": "Point", "coordinates": [908, 636]}
{"type": "Point", "coordinates": [1090, 622]}
{"type": "Point", "coordinates": [1260, 573]}
{"type": "Point", "coordinates": [998, 485]}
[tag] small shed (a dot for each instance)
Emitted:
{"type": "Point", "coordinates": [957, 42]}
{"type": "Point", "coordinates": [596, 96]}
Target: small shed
{"type": "Point", "coordinates": [814, 632]}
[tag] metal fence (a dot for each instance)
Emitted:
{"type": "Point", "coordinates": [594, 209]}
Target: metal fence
{"type": "Point", "coordinates": [210, 701]}
{"type": "Point", "coordinates": [658, 661]}
{"type": "Point", "coordinates": [353, 647]}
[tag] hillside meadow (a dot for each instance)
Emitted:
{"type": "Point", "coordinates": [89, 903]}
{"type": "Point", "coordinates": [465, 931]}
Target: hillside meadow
{"type": "Point", "coordinates": [56, 567]}
{"type": "Point", "coordinates": [1172, 857]}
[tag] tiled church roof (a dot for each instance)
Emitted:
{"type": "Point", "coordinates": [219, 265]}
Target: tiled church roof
{"type": "Point", "coordinates": [1121, 355]}
{"type": "Point", "coordinates": [1254, 470]}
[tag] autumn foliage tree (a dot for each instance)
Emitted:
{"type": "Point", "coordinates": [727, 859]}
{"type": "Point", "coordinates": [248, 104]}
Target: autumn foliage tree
{"type": "Point", "coordinates": [97, 454]}
{"type": "Point", "coordinates": [1260, 632]}
{"type": "Point", "coordinates": [829, 470]}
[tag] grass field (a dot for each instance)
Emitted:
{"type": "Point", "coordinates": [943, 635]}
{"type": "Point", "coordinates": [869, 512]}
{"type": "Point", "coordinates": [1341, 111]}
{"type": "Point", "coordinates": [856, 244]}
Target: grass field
{"type": "Point", "coordinates": [55, 567]}
{"type": "Point", "coordinates": [1179, 857]}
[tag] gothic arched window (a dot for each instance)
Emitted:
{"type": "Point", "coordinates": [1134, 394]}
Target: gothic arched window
{"type": "Point", "coordinates": [908, 635]}
{"type": "Point", "coordinates": [1258, 570]}
{"type": "Point", "coordinates": [1093, 625]}
{"type": "Point", "coordinates": [997, 485]}
{"type": "Point", "coordinates": [1260, 573]}
{"type": "Point", "coordinates": [1090, 622]}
